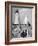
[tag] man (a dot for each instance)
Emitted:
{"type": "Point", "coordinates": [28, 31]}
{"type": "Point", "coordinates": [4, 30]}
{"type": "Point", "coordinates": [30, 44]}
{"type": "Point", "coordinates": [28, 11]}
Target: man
{"type": "Point", "coordinates": [16, 21]}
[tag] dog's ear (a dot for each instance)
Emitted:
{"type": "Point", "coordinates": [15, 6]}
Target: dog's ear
{"type": "Point", "coordinates": [29, 24]}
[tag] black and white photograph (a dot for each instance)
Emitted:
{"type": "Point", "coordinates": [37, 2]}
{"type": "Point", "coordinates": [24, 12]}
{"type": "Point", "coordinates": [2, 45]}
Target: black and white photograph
{"type": "Point", "coordinates": [21, 22]}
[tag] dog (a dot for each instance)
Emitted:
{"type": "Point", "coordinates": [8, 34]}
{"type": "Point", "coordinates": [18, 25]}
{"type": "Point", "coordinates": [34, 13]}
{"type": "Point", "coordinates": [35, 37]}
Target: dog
{"type": "Point", "coordinates": [22, 30]}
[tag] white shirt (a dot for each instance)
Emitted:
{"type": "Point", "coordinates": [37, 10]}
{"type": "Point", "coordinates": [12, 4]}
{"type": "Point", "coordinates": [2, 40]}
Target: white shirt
{"type": "Point", "coordinates": [16, 19]}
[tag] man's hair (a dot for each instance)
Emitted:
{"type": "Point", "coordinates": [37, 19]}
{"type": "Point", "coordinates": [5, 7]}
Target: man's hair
{"type": "Point", "coordinates": [17, 11]}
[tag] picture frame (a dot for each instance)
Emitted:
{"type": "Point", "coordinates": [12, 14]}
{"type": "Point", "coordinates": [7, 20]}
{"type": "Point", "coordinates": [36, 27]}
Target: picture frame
{"type": "Point", "coordinates": [24, 29]}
